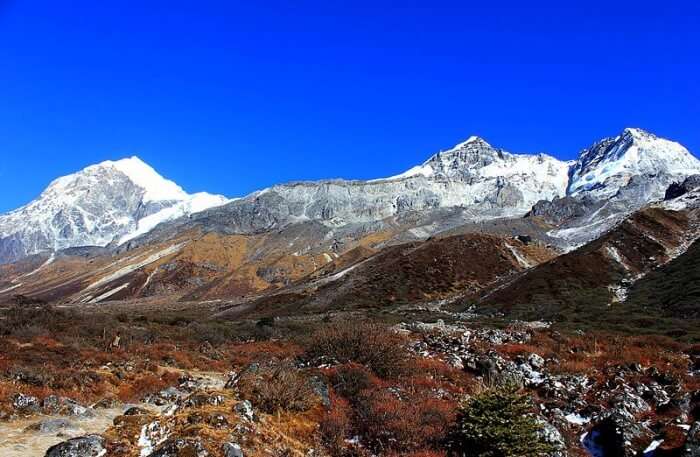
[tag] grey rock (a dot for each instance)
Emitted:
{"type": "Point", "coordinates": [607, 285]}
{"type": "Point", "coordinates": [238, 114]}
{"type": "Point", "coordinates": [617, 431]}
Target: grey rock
{"type": "Point", "coordinates": [245, 410]}
{"type": "Point", "coordinates": [692, 443]}
{"type": "Point", "coordinates": [85, 446]}
{"type": "Point", "coordinates": [552, 436]}
{"type": "Point", "coordinates": [25, 403]}
{"type": "Point", "coordinates": [678, 189]}
{"type": "Point", "coordinates": [61, 405]}
{"type": "Point", "coordinates": [535, 361]}
{"type": "Point", "coordinates": [51, 425]}
{"type": "Point", "coordinates": [136, 411]}
{"type": "Point", "coordinates": [232, 450]}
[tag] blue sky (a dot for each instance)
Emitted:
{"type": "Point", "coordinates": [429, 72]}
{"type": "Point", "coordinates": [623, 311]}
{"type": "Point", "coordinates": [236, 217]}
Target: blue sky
{"type": "Point", "coordinates": [229, 97]}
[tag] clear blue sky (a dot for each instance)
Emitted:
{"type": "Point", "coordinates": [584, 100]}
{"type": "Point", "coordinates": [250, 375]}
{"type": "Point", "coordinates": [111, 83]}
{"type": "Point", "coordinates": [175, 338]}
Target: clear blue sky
{"type": "Point", "coordinates": [230, 96]}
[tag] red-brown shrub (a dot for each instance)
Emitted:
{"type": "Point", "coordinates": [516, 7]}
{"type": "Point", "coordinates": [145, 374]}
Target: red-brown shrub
{"type": "Point", "coordinates": [335, 426]}
{"type": "Point", "coordinates": [372, 345]}
{"type": "Point", "coordinates": [387, 423]}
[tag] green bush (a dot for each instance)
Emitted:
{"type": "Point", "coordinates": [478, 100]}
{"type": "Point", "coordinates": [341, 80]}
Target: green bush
{"type": "Point", "coordinates": [497, 423]}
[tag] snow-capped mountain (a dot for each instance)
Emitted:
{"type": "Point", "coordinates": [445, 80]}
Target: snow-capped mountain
{"type": "Point", "coordinates": [116, 203]}
{"type": "Point", "coordinates": [613, 178]}
{"type": "Point", "coordinates": [110, 202]}
{"type": "Point", "coordinates": [610, 164]}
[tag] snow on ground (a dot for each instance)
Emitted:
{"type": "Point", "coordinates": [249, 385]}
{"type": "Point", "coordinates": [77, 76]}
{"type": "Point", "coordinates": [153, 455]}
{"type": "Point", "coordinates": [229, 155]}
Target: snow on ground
{"type": "Point", "coordinates": [133, 267]}
{"type": "Point", "coordinates": [577, 419]}
{"type": "Point", "coordinates": [109, 293]}
{"type": "Point", "coordinates": [519, 257]}
{"type": "Point", "coordinates": [649, 451]}
{"type": "Point", "coordinates": [192, 204]}
{"type": "Point", "coordinates": [615, 255]}
{"type": "Point", "coordinates": [11, 288]}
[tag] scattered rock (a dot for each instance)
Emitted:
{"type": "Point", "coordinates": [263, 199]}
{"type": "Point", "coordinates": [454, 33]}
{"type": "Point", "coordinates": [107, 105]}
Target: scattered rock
{"type": "Point", "coordinates": [65, 406]}
{"type": "Point", "coordinates": [181, 447]}
{"type": "Point", "coordinates": [136, 411]}
{"type": "Point", "coordinates": [200, 399]}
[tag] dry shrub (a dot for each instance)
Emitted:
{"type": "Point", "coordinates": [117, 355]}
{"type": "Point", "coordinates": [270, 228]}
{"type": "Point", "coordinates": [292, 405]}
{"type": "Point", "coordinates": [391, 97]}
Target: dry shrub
{"type": "Point", "coordinates": [372, 345]}
{"type": "Point", "coordinates": [277, 387]}
{"type": "Point", "coordinates": [387, 423]}
{"type": "Point", "coordinates": [246, 353]}
{"type": "Point", "coordinates": [335, 426]}
{"type": "Point", "coordinates": [350, 379]}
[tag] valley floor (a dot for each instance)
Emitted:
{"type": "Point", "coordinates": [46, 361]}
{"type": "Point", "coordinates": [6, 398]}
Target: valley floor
{"type": "Point", "coordinates": [182, 382]}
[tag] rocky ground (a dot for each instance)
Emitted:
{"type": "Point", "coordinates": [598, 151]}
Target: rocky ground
{"type": "Point", "coordinates": [315, 385]}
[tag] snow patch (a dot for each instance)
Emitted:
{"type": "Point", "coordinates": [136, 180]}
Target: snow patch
{"type": "Point", "coordinates": [574, 418]}
{"type": "Point", "coordinates": [133, 267]}
{"type": "Point", "coordinates": [109, 293]}
{"type": "Point", "coordinates": [519, 257]}
{"type": "Point", "coordinates": [11, 288]}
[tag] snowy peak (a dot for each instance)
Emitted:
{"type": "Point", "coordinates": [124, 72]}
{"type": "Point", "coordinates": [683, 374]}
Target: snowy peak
{"type": "Point", "coordinates": [107, 202]}
{"type": "Point", "coordinates": [154, 187]}
{"type": "Point", "coordinates": [612, 162]}
{"type": "Point", "coordinates": [475, 160]}
{"type": "Point", "coordinates": [143, 175]}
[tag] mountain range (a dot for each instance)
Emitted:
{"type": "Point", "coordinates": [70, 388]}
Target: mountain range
{"type": "Point", "coordinates": [472, 223]}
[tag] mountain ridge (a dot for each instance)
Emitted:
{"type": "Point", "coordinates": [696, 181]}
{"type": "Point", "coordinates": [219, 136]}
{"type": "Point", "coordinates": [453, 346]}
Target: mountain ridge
{"type": "Point", "coordinates": [482, 182]}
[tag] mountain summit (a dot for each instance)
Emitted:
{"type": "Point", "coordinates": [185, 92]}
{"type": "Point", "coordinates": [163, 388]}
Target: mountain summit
{"type": "Point", "coordinates": [109, 202]}
{"type": "Point", "coordinates": [610, 163]}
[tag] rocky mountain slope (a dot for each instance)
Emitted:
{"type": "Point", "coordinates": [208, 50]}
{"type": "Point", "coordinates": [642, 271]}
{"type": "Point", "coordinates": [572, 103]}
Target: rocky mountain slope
{"type": "Point", "coordinates": [110, 202]}
{"type": "Point", "coordinates": [592, 284]}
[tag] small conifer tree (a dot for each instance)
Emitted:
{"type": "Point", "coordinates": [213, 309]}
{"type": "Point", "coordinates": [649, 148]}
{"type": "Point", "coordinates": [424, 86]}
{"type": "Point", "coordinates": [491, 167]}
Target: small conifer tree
{"type": "Point", "coordinates": [497, 423]}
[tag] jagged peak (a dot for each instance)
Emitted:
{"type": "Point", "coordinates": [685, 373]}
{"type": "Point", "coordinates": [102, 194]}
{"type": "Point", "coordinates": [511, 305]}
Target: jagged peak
{"type": "Point", "coordinates": [472, 140]}
{"type": "Point", "coordinates": [637, 132]}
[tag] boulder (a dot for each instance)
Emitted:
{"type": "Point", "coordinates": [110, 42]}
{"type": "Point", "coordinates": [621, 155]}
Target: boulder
{"type": "Point", "coordinates": [245, 410]}
{"type": "Point", "coordinates": [232, 450]}
{"type": "Point", "coordinates": [613, 434]}
{"type": "Point", "coordinates": [136, 411]}
{"type": "Point", "coordinates": [84, 446]}
{"type": "Point", "coordinates": [25, 403]}
{"type": "Point", "coordinates": [692, 442]}
{"type": "Point", "coordinates": [51, 426]}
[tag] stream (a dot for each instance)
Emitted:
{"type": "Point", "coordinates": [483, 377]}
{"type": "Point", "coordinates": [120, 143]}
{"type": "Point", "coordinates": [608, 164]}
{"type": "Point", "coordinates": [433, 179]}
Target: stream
{"type": "Point", "coordinates": [17, 439]}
